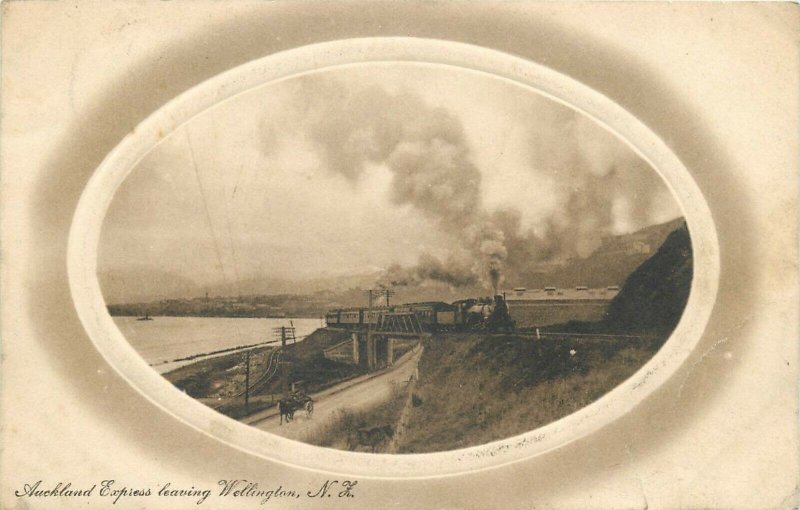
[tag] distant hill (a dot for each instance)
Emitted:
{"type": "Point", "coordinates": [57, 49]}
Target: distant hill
{"type": "Point", "coordinates": [609, 264]}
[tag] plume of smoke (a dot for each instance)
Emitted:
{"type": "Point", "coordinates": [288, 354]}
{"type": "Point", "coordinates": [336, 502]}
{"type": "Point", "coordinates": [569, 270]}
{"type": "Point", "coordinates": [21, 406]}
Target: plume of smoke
{"type": "Point", "coordinates": [600, 185]}
{"type": "Point", "coordinates": [427, 153]}
{"type": "Point", "coordinates": [487, 241]}
{"type": "Point", "coordinates": [453, 272]}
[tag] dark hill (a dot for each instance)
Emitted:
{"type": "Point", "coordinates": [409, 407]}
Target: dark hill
{"type": "Point", "coordinates": [654, 295]}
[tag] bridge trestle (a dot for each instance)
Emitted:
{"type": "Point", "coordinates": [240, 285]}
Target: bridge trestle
{"type": "Point", "coordinates": [374, 348]}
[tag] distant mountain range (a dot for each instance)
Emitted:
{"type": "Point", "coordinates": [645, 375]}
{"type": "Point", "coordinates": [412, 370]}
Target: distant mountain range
{"type": "Point", "coordinates": [610, 264]}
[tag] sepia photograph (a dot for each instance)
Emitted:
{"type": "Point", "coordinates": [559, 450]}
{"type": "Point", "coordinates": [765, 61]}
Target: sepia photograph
{"type": "Point", "coordinates": [394, 258]}
{"type": "Point", "coordinates": [368, 254]}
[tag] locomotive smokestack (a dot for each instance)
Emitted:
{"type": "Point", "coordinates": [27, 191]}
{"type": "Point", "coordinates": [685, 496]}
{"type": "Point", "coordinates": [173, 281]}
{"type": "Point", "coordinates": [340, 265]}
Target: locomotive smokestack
{"type": "Point", "coordinates": [494, 275]}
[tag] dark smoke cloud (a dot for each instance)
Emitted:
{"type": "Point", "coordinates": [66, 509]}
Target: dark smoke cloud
{"type": "Point", "coordinates": [424, 147]}
{"type": "Point", "coordinates": [452, 271]}
{"type": "Point", "coordinates": [426, 150]}
{"type": "Point", "coordinates": [428, 155]}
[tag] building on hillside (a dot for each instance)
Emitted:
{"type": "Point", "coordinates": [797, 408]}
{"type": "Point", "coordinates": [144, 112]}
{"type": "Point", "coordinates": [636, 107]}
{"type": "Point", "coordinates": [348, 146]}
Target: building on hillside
{"type": "Point", "coordinates": [631, 244]}
{"type": "Point", "coordinates": [552, 305]}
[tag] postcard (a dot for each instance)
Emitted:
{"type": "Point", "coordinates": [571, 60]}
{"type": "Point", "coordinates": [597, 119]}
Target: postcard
{"type": "Point", "coordinates": [383, 255]}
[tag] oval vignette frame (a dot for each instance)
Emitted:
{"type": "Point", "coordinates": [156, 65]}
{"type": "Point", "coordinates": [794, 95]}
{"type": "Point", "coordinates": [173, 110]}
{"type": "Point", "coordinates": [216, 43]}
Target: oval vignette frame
{"type": "Point", "coordinates": [109, 341]}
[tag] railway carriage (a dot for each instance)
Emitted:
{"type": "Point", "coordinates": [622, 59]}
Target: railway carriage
{"type": "Point", "coordinates": [351, 317]}
{"type": "Point", "coordinates": [429, 313]}
{"type": "Point", "coordinates": [371, 315]}
{"type": "Point", "coordinates": [332, 318]}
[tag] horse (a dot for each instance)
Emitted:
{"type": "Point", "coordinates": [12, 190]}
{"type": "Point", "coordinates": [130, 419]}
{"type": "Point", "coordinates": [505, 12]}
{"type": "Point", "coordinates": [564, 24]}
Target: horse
{"type": "Point", "coordinates": [286, 408]}
{"type": "Point", "coordinates": [371, 437]}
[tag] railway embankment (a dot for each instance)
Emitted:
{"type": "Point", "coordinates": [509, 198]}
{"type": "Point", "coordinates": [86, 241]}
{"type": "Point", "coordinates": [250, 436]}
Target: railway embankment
{"type": "Point", "coordinates": [476, 388]}
{"type": "Point", "coordinates": [472, 388]}
{"type": "Point", "coordinates": [219, 382]}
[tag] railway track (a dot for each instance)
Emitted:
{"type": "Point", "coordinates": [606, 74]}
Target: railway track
{"type": "Point", "coordinates": [269, 373]}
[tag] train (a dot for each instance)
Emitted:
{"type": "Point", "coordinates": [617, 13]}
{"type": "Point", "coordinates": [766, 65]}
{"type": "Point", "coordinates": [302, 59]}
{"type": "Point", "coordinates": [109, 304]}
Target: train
{"type": "Point", "coordinates": [433, 316]}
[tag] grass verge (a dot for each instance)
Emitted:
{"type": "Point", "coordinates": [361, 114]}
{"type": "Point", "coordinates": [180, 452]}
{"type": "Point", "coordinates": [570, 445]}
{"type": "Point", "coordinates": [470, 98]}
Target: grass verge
{"type": "Point", "coordinates": [342, 432]}
{"type": "Point", "coordinates": [475, 388]}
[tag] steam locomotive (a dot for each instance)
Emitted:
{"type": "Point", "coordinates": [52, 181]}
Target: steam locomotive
{"type": "Point", "coordinates": [481, 313]}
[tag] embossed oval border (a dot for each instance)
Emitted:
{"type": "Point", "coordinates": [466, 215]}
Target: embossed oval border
{"type": "Point", "coordinates": [109, 341]}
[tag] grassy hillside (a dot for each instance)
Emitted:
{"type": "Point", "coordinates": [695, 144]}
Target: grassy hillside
{"type": "Point", "coordinates": [474, 388]}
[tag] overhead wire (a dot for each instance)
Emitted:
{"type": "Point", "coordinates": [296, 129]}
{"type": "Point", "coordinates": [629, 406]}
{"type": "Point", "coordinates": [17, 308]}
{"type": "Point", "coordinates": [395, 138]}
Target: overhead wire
{"type": "Point", "coordinates": [217, 250]}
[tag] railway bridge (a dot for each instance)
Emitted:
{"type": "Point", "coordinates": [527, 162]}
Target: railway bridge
{"type": "Point", "coordinates": [373, 347]}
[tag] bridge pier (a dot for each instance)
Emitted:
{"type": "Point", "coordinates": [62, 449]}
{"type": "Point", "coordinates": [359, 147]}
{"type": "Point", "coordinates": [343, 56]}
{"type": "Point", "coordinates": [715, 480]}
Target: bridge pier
{"type": "Point", "coordinates": [374, 348]}
{"type": "Point", "coordinates": [372, 358]}
{"type": "Point", "coordinates": [371, 350]}
{"type": "Point", "coordinates": [356, 357]}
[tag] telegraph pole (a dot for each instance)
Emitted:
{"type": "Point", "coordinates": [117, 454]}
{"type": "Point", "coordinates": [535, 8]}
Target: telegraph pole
{"type": "Point", "coordinates": [370, 339]}
{"type": "Point", "coordinates": [247, 382]}
{"type": "Point", "coordinates": [376, 293]}
{"type": "Point", "coordinates": [371, 334]}
{"type": "Point", "coordinates": [285, 334]}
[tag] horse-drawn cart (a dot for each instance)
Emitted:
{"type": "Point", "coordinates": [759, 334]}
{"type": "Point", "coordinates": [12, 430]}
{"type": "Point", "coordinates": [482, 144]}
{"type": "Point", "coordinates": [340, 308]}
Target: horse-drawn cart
{"type": "Point", "coordinates": [288, 406]}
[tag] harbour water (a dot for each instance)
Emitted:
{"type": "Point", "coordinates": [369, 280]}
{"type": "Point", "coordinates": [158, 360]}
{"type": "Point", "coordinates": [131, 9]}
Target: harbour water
{"type": "Point", "coordinates": [164, 339]}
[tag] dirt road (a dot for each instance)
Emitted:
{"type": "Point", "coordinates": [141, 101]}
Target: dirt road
{"type": "Point", "coordinates": [368, 392]}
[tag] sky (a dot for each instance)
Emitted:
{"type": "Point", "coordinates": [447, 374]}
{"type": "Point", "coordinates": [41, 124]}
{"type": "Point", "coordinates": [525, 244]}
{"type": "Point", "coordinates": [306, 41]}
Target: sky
{"type": "Point", "coordinates": [416, 171]}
